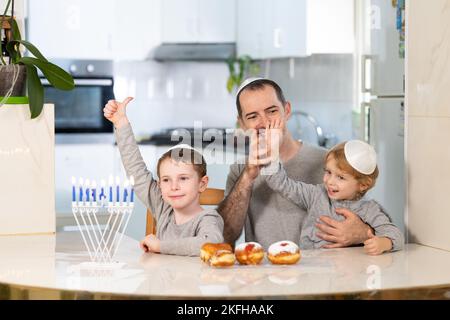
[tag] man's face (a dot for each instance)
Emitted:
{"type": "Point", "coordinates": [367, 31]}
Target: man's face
{"type": "Point", "coordinates": [260, 106]}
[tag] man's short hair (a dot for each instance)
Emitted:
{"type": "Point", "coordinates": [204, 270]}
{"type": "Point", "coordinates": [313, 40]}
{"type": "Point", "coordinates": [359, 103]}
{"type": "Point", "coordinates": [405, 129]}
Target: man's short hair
{"type": "Point", "coordinates": [259, 85]}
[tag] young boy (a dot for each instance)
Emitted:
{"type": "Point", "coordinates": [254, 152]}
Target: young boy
{"type": "Point", "coordinates": [183, 226]}
{"type": "Point", "coordinates": [350, 171]}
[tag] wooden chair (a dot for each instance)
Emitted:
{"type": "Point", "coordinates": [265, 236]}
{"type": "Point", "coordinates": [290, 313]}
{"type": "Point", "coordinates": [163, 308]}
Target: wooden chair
{"type": "Point", "coordinates": [209, 197]}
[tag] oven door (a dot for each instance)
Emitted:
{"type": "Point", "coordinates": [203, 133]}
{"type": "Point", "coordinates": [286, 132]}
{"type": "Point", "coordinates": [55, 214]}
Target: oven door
{"type": "Point", "coordinates": [81, 109]}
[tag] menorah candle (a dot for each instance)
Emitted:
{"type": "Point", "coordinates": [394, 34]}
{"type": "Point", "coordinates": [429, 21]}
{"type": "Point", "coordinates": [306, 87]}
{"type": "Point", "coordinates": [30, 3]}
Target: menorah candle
{"type": "Point", "coordinates": [117, 189]}
{"type": "Point", "coordinates": [87, 184]}
{"type": "Point", "coordinates": [132, 190]}
{"type": "Point", "coordinates": [80, 184]}
{"type": "Point", "coordinates": [102, 190]}
{"type": "Point", "coordinates": [110, 183]}
{"type": "Point", "coordinates": [125, 190]}
{"type": "Point", "coordinates": [74, 196]}
{"type": "Point", "coordinates": [94, 191]}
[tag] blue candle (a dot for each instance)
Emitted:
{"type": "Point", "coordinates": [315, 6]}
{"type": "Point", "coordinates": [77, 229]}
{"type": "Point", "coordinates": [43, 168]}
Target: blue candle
{"type": "Point", "coordinates": [117, 189]}
{"type": "Point", "coordinates": [94, 191]}
{"type": "Point", "coordinates": [74, 196]}
{"type": "Point", "coordinates": [80, 184]}
{"type": "Point", "coordinates": [102, 191]}
{"type": "Point", "coordinates": [125, 190]}
{"type": "Point", "coordinates": [132, 190]}
{"type": "Point", "coordinates": [111, 181]}
{"type": "Point", "coordinates": [87, 183]}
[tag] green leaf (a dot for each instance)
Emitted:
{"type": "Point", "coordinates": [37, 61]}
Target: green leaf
{"type": "Point", "coordinates": [15, 30]}
{"type": "Point", "coordinates": [35, 91]}
{"type": "Point", "coordinates": [32, 49]}
{"type": "Point", "coordinates": [57, 77]}
{"type": "Point", "coordinates": [13, 50]}
{"type": "Point", "coordinates": [230, 84]}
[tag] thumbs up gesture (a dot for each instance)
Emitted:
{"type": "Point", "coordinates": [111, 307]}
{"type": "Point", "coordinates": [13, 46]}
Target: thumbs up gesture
{"type": "Point", "coordinates": [115, 111]}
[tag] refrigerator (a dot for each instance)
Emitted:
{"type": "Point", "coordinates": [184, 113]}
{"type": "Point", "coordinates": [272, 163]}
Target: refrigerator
{"type": "Point", "coordinates": [383, 85]}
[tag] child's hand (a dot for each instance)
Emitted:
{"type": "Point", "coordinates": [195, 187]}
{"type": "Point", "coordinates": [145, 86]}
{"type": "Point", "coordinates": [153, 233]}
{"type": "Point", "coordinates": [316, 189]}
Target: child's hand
{"type": "Point", "coordinates": [150, 244]}
{"type": "Point", "coordinates": [376, 245]}
{"type": "Point", "coordinates": [114, 111]}
{"type": "Point", "coordinates": [274, 133]}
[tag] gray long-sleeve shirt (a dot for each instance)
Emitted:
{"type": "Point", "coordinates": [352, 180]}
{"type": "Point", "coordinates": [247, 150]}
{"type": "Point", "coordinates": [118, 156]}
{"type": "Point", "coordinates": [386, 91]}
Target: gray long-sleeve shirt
{"type": "Point", "coordinates": [183, 239]}
{"type": "Point", "coordinates": [315, 200]}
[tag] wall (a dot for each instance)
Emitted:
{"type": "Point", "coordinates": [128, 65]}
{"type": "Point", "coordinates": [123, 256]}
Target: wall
{"type": "Point", "coordinates": [428, 121]}
{"type": "Point", "coordinates": [322, 85]}
{"type": "Point", "coordinates": [177, 94]}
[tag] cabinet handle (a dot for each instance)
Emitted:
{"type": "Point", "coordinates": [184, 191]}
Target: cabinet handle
{"type": "Point", "coordinates": [277, 38]}
{"type": "Point", "coordinates": [364, 60]}
{"type": "Point", "coordinates": [365, 122]}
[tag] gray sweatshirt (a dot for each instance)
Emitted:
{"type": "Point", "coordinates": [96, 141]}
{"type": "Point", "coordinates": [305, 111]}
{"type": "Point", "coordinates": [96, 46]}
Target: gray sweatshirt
{"type": "Point", "coordinates": [315, 200]}
{"type": "Point", "coordinates": [184, 239]}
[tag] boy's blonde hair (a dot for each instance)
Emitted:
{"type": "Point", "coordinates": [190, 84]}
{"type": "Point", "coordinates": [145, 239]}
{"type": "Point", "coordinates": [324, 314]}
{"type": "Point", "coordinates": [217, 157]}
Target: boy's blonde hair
{"type": "Point", "coordinates": [185, 155]}
{"type": "Point", "coordinates": [338, 154]}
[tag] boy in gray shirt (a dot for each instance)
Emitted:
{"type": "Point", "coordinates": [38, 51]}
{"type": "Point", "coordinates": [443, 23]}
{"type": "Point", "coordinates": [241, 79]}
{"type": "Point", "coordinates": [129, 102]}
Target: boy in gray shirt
{"type": "Point", "coordinates": [182, 225]}
{"type": "Point", "coordinates": [350, 171]}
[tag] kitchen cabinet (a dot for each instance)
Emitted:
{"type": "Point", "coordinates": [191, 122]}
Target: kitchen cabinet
{"type": "Point", "coordinates": [294, 28]}
{"type": "Point", "coordinates": [101, 29]}
{"type": "Point", "coordinates": [77, 29]}
{"type": "Point", "coordinates": [198, 21]}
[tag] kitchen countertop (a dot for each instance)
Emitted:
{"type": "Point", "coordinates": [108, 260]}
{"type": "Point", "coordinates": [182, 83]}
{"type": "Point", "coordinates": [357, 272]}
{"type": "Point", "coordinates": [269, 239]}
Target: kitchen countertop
{"type": "Point", "coordinates": [48, 267]}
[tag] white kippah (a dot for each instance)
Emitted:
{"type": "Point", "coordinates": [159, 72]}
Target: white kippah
{"type": "Point", "coordinates": [246, 82]}
{"type": "Point", "coordinates": [183, 146]}
{"type": "Point", "coordinates": [361, 156]}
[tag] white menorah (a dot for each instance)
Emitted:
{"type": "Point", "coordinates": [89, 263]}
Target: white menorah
{"type": "Point", "coordinates": [102, 240]}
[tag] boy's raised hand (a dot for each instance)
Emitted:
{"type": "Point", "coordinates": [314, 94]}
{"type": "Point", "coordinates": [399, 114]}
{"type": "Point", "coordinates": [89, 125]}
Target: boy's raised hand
{"type": "Point", "coordinates": [115, 112]}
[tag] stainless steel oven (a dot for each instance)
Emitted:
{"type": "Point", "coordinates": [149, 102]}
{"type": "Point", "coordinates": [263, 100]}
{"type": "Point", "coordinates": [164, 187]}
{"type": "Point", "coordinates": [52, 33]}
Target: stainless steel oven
{"type": "Point", "coordinates": [80, 110]}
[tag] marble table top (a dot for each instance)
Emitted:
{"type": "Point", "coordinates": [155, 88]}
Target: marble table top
{"type": "Point", "coordinates": [50, 266]}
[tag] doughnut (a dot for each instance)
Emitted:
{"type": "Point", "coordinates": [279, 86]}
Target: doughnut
{"type": "Point", "coordinates": [222, 258]}
{"type": "Point", "coordinates": [249, 253]}
{"type": "Point", "coordinates": [208, 249]}
{"type": "Point", "coordinates": [284, 252]}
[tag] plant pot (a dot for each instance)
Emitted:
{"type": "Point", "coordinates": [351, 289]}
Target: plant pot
{"type": "Point", "coordinates": [7, 73]}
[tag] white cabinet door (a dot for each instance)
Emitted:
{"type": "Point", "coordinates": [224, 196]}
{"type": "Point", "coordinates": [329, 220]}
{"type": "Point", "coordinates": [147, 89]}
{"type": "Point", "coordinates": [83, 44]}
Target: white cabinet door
{"type": "Point", "coordinates": [216, 21]}
{"type": "Point", "coordinates": [78, 29]}
{"type": "Point", "coordinates": [331, 26]}
{"type": "Point", "coordinates": [198, 21]}
{"type": "Point", "coordinates": [271, 29]}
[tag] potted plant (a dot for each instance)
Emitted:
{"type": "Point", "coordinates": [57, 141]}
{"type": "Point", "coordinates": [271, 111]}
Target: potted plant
{"type": "Point", "coordinates": [239, 68]}
{"type": "Point", "coordinates": [15, 68]}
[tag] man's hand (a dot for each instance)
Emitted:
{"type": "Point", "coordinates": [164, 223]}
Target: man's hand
{"type": "Point", "coordinates": [115, 112]}
{"type": "Point", "coordinates": [351, 231]}
{"type": "Point", "coordinates": [150, 244]}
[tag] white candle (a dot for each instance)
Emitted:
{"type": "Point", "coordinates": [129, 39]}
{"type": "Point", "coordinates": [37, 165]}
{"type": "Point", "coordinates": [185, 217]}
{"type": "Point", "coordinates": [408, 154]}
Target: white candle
{"type": "Point", "coordinates": [94, 191]}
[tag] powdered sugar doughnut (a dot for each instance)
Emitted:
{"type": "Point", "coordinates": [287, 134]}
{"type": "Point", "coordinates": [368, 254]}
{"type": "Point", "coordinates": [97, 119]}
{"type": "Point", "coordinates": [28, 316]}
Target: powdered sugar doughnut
{"type": "Point", "coordinates": [249, 253]}
{"type": "Point", "coordinates": [284, 252]}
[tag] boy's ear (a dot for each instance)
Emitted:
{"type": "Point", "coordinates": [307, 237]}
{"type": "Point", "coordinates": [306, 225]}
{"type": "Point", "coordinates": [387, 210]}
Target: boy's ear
{"type": "Point", "coordinates": [364, 186]}
{"type": "Point", "coordinates": [203, 183]}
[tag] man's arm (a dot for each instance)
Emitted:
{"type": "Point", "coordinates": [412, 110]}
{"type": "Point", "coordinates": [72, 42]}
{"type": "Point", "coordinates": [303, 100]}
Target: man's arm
{"type": "Point", "coordinates": [233, 208]}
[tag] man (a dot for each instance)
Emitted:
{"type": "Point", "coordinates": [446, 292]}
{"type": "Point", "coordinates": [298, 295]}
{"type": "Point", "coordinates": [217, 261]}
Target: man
{"type": "Point", "coordinates": [249, 202]}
